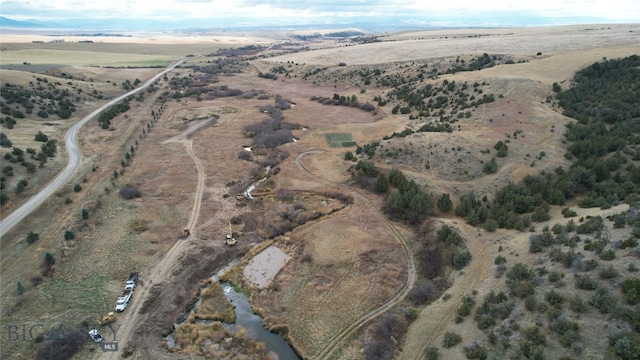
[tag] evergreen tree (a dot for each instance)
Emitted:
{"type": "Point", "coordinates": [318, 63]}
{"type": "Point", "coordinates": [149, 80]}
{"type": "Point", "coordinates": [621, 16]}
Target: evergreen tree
{"type": "Point", "coordinates": [382, 184]}
{"type": "Point", "coordinates": [444, 203]}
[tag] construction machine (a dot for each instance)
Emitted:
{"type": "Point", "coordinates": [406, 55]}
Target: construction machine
{"type": "Point", "coordinates": [230, 240]}
{"type": "Point", "coordinates": [185, 233]}
{"type": "Point", "coordinates": [108, 319]}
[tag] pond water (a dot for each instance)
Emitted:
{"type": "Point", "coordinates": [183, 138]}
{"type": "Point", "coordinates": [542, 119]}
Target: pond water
{"type": "Point", "coordinates": [253, 324]}
{"type": "Point", "coordinates": [278, 348]}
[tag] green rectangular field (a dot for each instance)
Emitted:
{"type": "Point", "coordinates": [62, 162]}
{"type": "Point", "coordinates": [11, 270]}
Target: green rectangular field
{"type": "Point", "coordinates": [340, 139]}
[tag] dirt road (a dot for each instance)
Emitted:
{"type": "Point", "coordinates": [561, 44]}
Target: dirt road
{"type": "Point", "coordinates": [132, 318]}
{"type": "Point", "coordinates": [345, 333]}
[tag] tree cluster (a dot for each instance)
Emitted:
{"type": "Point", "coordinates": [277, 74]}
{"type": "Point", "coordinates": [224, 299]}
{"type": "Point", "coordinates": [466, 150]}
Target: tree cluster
{"type": "Point", "coordinates": [342, 100]}
{"type": "Point", "coordinates": [447, 100]}
{"type": "Point", "coordinates": [106, 116]}
{"type": "Point", "coordinates": [271, 132]}
{"type": "Point", "coordinates": [50, 100]}
{"type": "Point", "coordinates": [389, 326]}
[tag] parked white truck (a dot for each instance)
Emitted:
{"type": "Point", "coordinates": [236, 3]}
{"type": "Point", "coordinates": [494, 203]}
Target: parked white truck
{"type": "Point", "coordinates": [123, 300]}
{"type": "Point", "coordinates": [132, 281]}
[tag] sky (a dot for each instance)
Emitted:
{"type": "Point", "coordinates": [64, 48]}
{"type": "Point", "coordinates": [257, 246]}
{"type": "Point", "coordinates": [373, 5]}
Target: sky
{"type": "Point", "coordinates": [294, 12]}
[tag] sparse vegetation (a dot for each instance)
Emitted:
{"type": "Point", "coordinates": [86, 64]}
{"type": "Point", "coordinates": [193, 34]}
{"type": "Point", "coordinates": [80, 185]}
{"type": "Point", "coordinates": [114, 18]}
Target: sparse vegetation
{"type": "Point", "coordinates": [451, 339]}
{"type": "Point", "coordinates": [574, 273]}
{"type": "Point", "coordinates": [129, 192]}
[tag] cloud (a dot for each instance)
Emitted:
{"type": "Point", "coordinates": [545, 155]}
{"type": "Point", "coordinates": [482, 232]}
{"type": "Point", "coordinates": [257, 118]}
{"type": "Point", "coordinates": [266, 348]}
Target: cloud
{"type": "Point", "coordinates": [296, 11]}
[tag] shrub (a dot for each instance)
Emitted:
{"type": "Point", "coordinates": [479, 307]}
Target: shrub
{"type": "Point", "coordinates": [495, 306]}
{"type": "Point", "coordinates": [530, 303]}
{"type": "Point", "coordinates": [430, 261]}
{"type": "Point", "coordinates": [585, 282]}
{"type": "Point", "coordinates": [500, 260]}
{"type": "Point", "coordinates": [49, 258]}
{"type": "Point", "coordinates": [69, 235]}
{"type": "Point", "coordinates": [475, 351]}
{"type": "Point", "coordinates": [386, 328]}
{"type": "Point", "coordinates": [448, 235]}
{"type": "Point", "coordinates": [554, 276]}
{"type": "Point", "coordinates": [62, 348]}
{"type": "Point", "coordinates": [537, 242]}
{"type": "Point", "coordinates": [567, 213]}
{"type": "Point", "coordinates": [47, 264]}
{"type": "Point", "coordinates": [569, 337]}
{"type": "Point", "coordinates": [609, 273]}
{"type": "Point", "coordinates": [32, 237]}
{"type": "Point", "coordinates": [129, 192]}
{"type": "Point", "coordinates": [40, 136]}
{"type": "Point", "coordinates": [535, 335]}
{"type": "Point", "coordinates": [349, 156]}
{"type": "Point", "coordinates": [451, 339]}
{"type": "Point", "coordinates": [527, 350]}
{"type": "Point", "coordinates": [432, 353]}
{"type": "Point", "coordinates": [423, 292]}
{"type": "Point", "coordinates": [245, 155]}
{"type": "Point", "coordinates": [465, 307]}
{"type": "Point", "coordinates": [631, 289]}
{"type": "Point", "coordinates": [520, 281]}
{"type": "Point", "coordinates": [461, 259]}
{"type": "Point", "coordinates": [590, 226]}
{"type": "Point", "coordinates": [603, 301]}
{"type": "Point", "coordinates": [554, 298]}
{"type": "Point", "coordinates": [577, 304]}
{"type": "Point", "coordinates": [626, 347]}
{"type": "Point", "coordinates": [490, 225]}
{"type": "Point", "coordinates": [4, 141]}
{"type": "Point", "coordinates": [36, 280]}
{"type": "Point", "coordinates": [628, 243]}
{"type": "Point", "coordinates": [608, 255]}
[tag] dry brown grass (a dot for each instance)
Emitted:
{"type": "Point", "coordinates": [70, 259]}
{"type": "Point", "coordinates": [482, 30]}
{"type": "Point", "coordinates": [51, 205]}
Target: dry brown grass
{"type": "Point", "coordinates": [214, 305]}
{"type": "Point", "coordinates": [342, 265]}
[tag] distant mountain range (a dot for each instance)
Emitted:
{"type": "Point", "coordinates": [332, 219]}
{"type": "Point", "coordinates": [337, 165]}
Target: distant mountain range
{"type": "Point", "coordinates": [5, 22]}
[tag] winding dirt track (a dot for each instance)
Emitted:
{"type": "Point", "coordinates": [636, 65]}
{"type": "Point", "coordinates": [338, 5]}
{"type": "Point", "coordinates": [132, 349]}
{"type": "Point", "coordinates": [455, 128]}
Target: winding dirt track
{"type": "Point", "coordinates": [434, 319]}
{"type": "Point", "coordinates": [334, 342]}
{"type": "Point", "coordinates": [132, 318]}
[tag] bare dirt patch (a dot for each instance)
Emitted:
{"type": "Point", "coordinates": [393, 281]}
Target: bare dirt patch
{"type": "Point", "coordinates": [261, 270]}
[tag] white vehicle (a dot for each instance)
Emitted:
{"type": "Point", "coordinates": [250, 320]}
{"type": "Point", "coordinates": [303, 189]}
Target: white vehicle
{"type": "Point", "coordinates": [95, 335]}
{"type": "Point", "coordinates": [132, 281]}
{"type": "Point", "coordinates": [123, 300]}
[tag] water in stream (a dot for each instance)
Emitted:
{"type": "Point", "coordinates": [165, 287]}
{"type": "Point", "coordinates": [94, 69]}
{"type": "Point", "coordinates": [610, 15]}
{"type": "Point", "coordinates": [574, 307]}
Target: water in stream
{"type": "Point", "coordinates": [253, 324]}
{"type": "Point", "coordinates": [245, 317]}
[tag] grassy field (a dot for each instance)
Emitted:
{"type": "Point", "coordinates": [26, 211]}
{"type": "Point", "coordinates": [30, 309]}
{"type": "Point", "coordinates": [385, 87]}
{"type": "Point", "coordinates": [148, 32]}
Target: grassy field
{"type": "Point", "coordinates": [339, 139]}
{"type": "Point", "coordinates": [81, 58]}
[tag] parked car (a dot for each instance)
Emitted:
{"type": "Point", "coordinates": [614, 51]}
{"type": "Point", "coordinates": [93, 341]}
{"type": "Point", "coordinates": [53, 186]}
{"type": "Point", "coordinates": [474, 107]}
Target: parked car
{"type": "Point", "coordinates": [95, 335]}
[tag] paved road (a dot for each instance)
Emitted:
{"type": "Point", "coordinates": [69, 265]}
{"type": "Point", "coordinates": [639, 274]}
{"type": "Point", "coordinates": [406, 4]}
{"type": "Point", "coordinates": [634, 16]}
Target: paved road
{"type": "Point", "coordinates": [75, 159]}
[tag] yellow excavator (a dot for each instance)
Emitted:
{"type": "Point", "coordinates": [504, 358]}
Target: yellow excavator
{"type": "Point", "coordinates": [107, 319]}
{"type": "Point", "coordinates": [230, 240]}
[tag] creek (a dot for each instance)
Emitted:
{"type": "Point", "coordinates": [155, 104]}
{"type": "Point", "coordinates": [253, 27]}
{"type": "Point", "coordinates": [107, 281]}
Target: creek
{"type": "Point", "coordinates": [278, 348]}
